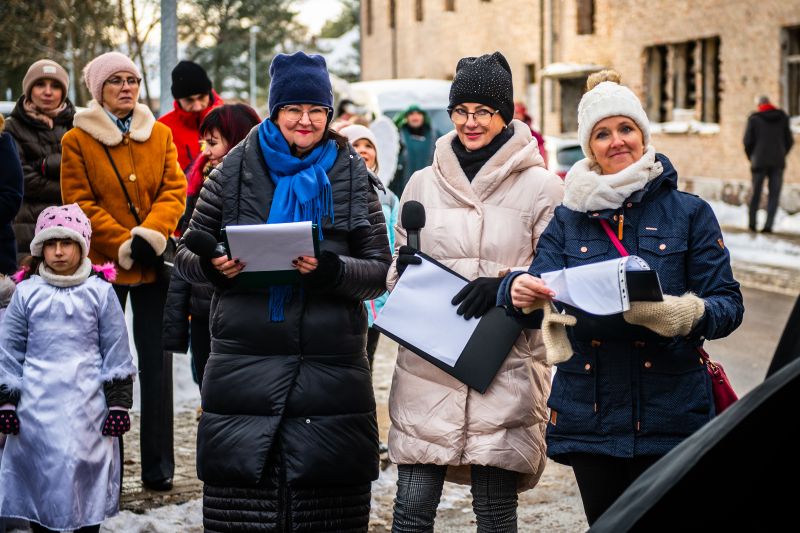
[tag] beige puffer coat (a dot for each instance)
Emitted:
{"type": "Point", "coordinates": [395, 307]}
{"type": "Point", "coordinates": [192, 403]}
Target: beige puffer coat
{"type": "Point", "coordinates": [483, 228]}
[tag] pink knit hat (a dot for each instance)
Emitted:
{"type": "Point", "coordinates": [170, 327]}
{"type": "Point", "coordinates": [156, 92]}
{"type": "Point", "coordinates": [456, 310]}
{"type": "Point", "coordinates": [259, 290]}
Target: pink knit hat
{"type": "Point", "coordinates": [102, 67]}
{"type": "Point", "coordinates": [62, 222]}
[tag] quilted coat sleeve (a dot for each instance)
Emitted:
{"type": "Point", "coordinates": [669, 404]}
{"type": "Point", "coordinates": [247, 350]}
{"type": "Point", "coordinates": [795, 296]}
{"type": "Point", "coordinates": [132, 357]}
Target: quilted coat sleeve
{"type": "Point", "coordinates": [10, 181]}
{"type": "Point", "coordinates": [175, 332]}
{"type": "Point", "coordinates": [207, 216]}
{"type": "Point", "coordinates": [710, 276]}
{"type": "Point", "coordinates": [364, 273]}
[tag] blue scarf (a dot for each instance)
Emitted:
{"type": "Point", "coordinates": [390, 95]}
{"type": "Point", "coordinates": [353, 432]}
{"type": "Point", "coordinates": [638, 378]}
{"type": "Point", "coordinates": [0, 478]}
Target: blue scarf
{"type": "Point", "coordinates": [302, 192]}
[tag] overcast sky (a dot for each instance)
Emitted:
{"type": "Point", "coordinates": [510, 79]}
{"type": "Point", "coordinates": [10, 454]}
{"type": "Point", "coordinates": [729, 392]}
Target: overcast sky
{"type": "Point", "coordinates": [314, 13]}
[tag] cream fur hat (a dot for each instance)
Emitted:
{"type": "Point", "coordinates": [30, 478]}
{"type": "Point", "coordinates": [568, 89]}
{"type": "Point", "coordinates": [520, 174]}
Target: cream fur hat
{"type": "Point", "coordinates": [608, 99]}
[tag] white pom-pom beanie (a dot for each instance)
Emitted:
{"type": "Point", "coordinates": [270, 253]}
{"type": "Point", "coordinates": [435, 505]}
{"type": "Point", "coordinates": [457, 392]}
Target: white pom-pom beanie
{"type": "Point", "coordinates": [609, 99]}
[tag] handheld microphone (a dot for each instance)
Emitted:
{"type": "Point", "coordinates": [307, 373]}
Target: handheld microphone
{"type": "Point", "coordinates": [413, 219]}
{"type": "Point", "coordinates": [204, 244]}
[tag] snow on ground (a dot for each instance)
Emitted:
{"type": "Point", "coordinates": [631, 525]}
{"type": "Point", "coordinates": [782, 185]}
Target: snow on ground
{"type": "Point", "coordinates": [187, 518]}
{"type": "Point", "coordinates": [759, 248]}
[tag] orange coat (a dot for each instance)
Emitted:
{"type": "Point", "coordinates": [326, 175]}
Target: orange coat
{"type": "Point", "coordinates": [147, 161]}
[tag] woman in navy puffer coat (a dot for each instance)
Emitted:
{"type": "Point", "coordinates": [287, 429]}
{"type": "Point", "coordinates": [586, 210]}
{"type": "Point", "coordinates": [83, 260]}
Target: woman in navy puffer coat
{"type": "Point", "coordinates": [635, 385]}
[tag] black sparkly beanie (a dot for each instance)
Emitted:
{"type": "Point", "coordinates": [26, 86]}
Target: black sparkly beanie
{"type": "Point", "coordinates": [189, 78]}
{"type": "Point", "coordinates": [484, 80]}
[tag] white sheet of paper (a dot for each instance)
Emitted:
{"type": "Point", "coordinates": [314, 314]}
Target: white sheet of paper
{"type": "Point", "coordinates": [419, 311]}
{"type": "Point", "coordinates": [267, 247]}
{"type": "Point", "coordinates": [596, 288]}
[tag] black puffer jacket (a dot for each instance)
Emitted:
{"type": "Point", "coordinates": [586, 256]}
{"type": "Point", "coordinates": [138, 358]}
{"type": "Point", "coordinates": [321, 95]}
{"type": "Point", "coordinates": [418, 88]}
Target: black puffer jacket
{"type": "Point", "coordinates": [39, 150]}
{"type": "Point", "coordinates": [296, 394]}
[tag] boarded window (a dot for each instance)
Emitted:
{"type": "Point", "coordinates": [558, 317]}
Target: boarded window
{"type": "Point", "coordinates": [449, 5]}
{"type": "Point", "coordinates": [418, 13]}
{"type": "Point", "coordinates": [682, 81]}
{"type": "Point", "coordinates": [790, 79]}
{"type": "Point", "coordinates": [585, 16]}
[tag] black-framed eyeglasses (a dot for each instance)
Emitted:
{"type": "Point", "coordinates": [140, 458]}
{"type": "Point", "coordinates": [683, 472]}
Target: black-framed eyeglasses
{"type": "Point", "coordinates": [119, 82]}
{"type": "Point", "coordinates": [317, 115]}
{"type": "Point", "coordinates": [460, 116]}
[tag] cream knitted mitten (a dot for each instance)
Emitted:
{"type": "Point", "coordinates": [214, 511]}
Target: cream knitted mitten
{"type": "Point", "coordinates": [554, 331]}
{"type": "Point", "coordinates": [675, 316]}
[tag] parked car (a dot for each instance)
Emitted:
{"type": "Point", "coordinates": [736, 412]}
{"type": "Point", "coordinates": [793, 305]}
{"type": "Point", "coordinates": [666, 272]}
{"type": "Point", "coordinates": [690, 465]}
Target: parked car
{"type": "Point", "coordinates": [388, 97]}
{"type": "Point", "coordinates": [562, 153]}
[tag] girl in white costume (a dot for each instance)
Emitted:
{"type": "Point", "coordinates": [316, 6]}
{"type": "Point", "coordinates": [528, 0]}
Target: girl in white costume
{"type": "Point", "coordinates": [66, 378]}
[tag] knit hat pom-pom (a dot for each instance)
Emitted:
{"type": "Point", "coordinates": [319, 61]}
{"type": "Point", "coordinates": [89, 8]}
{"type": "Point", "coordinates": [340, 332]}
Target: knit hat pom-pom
{"type": "Point", "coordinates": [604, 75]}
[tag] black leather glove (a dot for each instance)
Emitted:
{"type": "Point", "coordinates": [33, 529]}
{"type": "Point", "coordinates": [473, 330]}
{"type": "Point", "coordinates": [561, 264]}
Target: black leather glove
{"type": "Point", "coordinates": [142, 252]}
{"type": "Point", "coordinates": [117, 422]}
{"type": "Point", "coordinates": [477, 297]}
{"type": "Point", "coordinates": [9, 423]}
{"type": "Point", "coordinates": [405, 257]}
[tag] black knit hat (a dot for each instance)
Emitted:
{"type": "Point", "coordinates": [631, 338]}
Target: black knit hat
{"type": "Point", "coordinates": [189, 78]}
{"type": "Point", "coordinates": [484, 80]}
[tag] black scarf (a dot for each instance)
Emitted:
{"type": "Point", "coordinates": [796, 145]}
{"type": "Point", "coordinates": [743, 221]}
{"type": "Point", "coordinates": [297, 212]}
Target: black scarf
{"type": "Point", "coordinates": [472, 162]}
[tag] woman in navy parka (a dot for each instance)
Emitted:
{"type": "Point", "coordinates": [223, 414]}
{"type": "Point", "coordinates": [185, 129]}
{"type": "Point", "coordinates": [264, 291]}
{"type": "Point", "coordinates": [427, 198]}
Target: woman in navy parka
{"type": "Point", "coordinates": [635, 385]}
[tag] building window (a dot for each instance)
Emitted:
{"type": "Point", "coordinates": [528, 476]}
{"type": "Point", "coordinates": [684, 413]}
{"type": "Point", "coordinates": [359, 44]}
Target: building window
{"type": "Point", "coordinates": [682, 81]}
{"type": "Point", "coordinates": [392, 13]}
{"type": "Point", "coordinates": [368, 15]}
{"type": "Point", "coordinates": [419, 15]}
{"type": "Point", "coordinates": [790, 77]}
{"type": "Point", "coordinates": [571, 90]}
{"type": "Point", "coordinates": [585, 16]}
{"type": "Point", "coordinates": [449, 5]}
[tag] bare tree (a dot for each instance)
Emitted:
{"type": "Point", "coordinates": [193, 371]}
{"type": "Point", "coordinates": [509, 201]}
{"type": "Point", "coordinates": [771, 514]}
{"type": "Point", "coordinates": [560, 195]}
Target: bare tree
{"type": "Point", "coordinates": [137, 32]}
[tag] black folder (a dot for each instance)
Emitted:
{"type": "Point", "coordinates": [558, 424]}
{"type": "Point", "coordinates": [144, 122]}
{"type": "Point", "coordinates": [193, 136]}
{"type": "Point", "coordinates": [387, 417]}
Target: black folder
{"type": "Point", "coordinates": [485, 351]}
{"type": "Point", "coordinates": [643, 286]}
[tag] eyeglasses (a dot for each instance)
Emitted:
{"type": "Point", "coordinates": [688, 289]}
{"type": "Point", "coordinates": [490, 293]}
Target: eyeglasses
{"type": "Point", "coordinates": [483, 117]}
{"type": "Point", "coordinates": [119, 82]}
{"type": "Point", "coordinates": [317, 115]}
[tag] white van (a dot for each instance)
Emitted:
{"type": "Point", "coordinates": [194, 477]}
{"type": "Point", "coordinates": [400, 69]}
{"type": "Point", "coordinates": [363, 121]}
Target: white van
{"type": "Point", "coordinates": [388, 97]}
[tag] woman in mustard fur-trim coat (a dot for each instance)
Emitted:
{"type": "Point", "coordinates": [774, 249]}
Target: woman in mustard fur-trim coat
{"type": "Point", "coordinates": [118, 132]}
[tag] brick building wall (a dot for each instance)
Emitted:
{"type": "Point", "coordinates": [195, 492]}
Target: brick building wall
{"type": "Point", "coordinates": [749, 62]}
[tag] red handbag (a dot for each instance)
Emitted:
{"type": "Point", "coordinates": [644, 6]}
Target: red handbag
{"type": "Point", "coordinates": [724, 395]}
{"type": "Point", "coordinates": [721, 387]}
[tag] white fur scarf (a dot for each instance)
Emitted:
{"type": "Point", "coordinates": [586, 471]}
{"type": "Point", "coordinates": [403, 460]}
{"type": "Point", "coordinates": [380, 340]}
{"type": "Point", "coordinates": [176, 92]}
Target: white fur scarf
{"type": "Point", "coordinates": [58, 280]}
{"type": "Point", "coordinates": [586, 189]}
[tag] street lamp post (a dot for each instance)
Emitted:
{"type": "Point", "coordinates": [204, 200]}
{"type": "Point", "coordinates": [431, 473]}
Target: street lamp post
{"type": "Point", "coordinates": [253, 31]}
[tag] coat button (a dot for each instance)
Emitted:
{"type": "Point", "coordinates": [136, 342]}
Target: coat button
{"type": "Point", "coordinates": [587, 366]}
{"type": "Point", "coordinates": [629, 204]}
{"type": "Point", "coordinates": [595, 214]}
{"type": "Point", "coordinates": [648, 364]}
{"type": "Point", "coordinates": [132, 177]}
{"type": "Point", "coordinates": [308, 420]}
{"type": "Point", "coordinates": [584, 249]}
{"type": "Point", "coordinates": [615, 218]}
{"type": "Point", "coordinates": [125, 141]}
{"type": "Point", "coordinates": [662, 246]}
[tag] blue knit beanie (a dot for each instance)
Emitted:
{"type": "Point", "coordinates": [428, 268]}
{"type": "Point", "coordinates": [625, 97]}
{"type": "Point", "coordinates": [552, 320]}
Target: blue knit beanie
{"type": "Point", "coordinates": [299, 78]}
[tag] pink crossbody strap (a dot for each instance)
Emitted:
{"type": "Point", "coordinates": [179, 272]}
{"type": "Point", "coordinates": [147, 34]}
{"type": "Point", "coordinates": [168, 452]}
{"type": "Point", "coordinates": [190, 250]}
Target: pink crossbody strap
{"type": "Point", "coordinates": [618, 245]}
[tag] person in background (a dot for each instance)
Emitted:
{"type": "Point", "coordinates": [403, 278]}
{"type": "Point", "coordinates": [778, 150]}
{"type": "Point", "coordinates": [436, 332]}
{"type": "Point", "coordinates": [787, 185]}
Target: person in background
{"type": "Point", "coordinates": [487, 198]}
{"type": "Point", "coordinates": [417, 143]}
{"type": "Point", "coordinates": [288, 438]}
{"type": "Point", "coordinates": [521, 113]}
{"type": "Point", "coordinates": [222, 129]}
{"type": "Point", "coordinates": [41, 117]}
{"type": "Point", "coordinates": [121, 167]}
{"type": "Point", "coordinates": [365, 143]}
{"type": "Point", "coordinates": [66, 383]}
{"type": "Point", "coordinates": [631, 386]}
{"type": "Point", "coordinates": [194, 99]}
{"type": "Point", "coordinates": [767, 140]}
{"type": "Point", "coordinates": [11, 180]}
